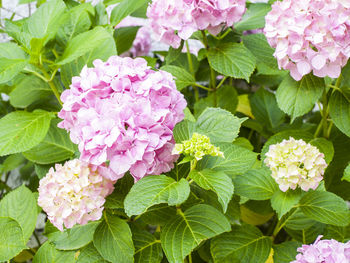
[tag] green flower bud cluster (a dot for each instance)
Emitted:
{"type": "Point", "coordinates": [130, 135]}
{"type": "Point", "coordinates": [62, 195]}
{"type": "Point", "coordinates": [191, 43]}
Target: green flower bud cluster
{"type": "Point", "coordinates": [198, 146]}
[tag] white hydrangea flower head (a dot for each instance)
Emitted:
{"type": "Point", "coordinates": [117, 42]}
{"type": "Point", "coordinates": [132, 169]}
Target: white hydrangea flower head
{"type": "Point", "coordinates": [296, 163]}
{"type": "Point", "coordinates": [73, 194]}
{"type": "Point", "coordinates": [198, 146]}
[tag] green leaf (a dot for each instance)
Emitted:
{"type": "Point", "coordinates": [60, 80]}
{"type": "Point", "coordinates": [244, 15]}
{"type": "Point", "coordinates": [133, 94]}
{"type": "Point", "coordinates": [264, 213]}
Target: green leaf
{"type": "Point", "coordinates": [152, 190]}
{"type": "Point", "coordinates": [265, 109]}
{"type": "Point", "coordinates": [56, 147]}
{"type": "Point", "coordinates": [339, 109]}
{"type": "Point", "coordinates": [75, 238]}
{"type": "Point", "coordinates": [124, 37]}
{"type": "Point", "coordinates": [285, 252]}
{"type": "Point", "coordinates": [159, 215]}
{"type": "Point", "coordinates": [296, 220]}
{"type": "Point", "coordinates": [184, 130]}
{"type": "Point", "coordinates": [9, 68]}
{"type": "Point", "coordinates": [306, 235]}
{"type": "Point", "coordinates": [89, 254]}
{"type": "Point", "coordinates": [233, 60]}
{"type": "Point", "coordinates": [147, 247]}
{"type": "Point", "coordinates": [41, 170]}
{"type": "Point", "coordinates": [216, 181]}
{"type": "Point", "coordinates": [244, 244]}
{"type": "Point", "coordinates": [282, 202]}
{"type": "Point", "coordinates": [219, 125]}
{"type": "Point", "coordinates": [47, 253]}
{"type": "Point", "coordinates": [86, 43]}
{"type": "Point", "coordinates": [182, 77]}
{"type": "Point", "coordinates": [12, 162]}
{"type": "Point", "coordinates": [21, 205]}
{"type": "Point", "coordinates": [46, 20]}
{"type": "Point", "coordinates": [187, 230]}
{"type": "Point", "coordinates": [339, 233]}
{"type": "Point", "coordinates": [29, 90]}
{"type": "Point", "coordinates": [347, 173]}
{"type": "Point", "coordinates": [256, 184]}
{"type": "Point", "coordinates": [113, 240]}
{"type": "Point", "coordinates": [21, 131]}
{"type": "Point", "coordinates": [125, 8]}
{"type": "Point", "coordinates": [11, 238]}
{"type": "Point", "coordinates": [254, 17]}
{"type": "Point", "coordinates": [297, 98]}
{"type": "Point", "coordinates": [11, 50]}
{"type": "Point", "coordinates": [325, 147]}
{"type": "Point", "coordinates": [237, 160]}
{"type": "Point", "coordinates": [325, 207]}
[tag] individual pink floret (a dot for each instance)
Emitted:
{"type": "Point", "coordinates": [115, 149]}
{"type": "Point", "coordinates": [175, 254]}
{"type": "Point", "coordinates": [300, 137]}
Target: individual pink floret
{"type": "Point", "coordinates": [73, 194]}
{"type": "Point", "coordinates": [122, 114]}
{"type": "Point", "coordinates": [310, 35]}
{"type": "Point", "coordinates": [324, 251]}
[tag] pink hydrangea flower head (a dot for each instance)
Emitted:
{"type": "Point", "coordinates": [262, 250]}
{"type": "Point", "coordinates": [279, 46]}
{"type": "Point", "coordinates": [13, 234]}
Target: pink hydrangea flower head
{"type": "Point", "coordinates": [324, 251]}
{"type": "Point", "coordinates": [310, 36]}
{"type": "Point", "coordinates": [173, 20]}
{"type": "Point", "coordinates": [122, 114]}
{"type": "Point", "coordinates": [295, 163]}
{"type": "Point", "coordinates": [73, 194]}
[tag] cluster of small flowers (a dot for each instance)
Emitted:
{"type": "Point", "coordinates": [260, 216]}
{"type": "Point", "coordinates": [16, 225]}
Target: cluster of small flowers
{"type": "Point", "coordinates": [295, 162]}
{"type": "Point", "coordinates": [330, 251]}
{"type": "Point", "coordinates": [197, 147]}
{"type": "Point", "coordinates": [122, 114]}
{"type": "Point", "coordinates": [310, 35]}
{"type": "Point", "coordinates": [73, 194]}
{"type": "Point", "coordinates": [173, 20]}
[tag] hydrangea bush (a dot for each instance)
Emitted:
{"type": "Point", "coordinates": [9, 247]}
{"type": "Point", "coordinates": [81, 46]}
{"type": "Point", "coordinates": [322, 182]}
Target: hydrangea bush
{"type": "Point", "coordinates": [176, 131]}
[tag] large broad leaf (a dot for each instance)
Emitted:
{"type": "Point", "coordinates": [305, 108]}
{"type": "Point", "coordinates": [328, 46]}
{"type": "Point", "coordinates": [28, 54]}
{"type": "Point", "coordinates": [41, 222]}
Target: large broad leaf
{"type": "Point", "coordinates": [306, 235]}
{"type": "Point", "coordinates": [184, 130]}
{"type": "Point", "coordinates": [265, 109]}
{"type": "Point", "coordinates": [325, 147]}
{"type": "Point", "coordinates": [21, 206]}
{"type": "Point", "coordinates": [256, 184]}
{"type": "Point", "coordinates": [216, 181]}
{"type": "Point", "coordinates": [125, 8]}
{"type": "Point", "coordinates": [21, 131]}
{"type": "Point", "coordinates": [285, 252]}
{"type": "Point", "coordinates": [187, 230]}
{"type": "Point", "coordinates": [237, 160]}
{"type": "Point", "coordinates": [56, 147]}
{"type": "Point", "coordinates": [233, 60]}
{"type": "Point", "coordinates": [296, 220]}
{"type": "Point", "coordinates": [47, 253]}
{"type": "Point", "coordinates": [29, 90]}
{"type": "Point", "coordinates": [282, 202]}
{"type": "Point", "coordinates": [339, 109]}
{"type": "Point", "coordinates": [11, 238]}
{"type": "Point", "coordinates": [89, 254]}
{"type": "Point", "coordinates": [11, 50]}
{"type": "Point", "coordinates": [45, 22]}
{"type": "Point", "coordinates": [147, 247]}
{"type": "Point", "coordinates": [254, 17]}
{"type": "Point", "coordinates": [182, 77]}
{"type": "Point", "coordinates": [9, 68]}
{"type": "Point", "coordinates": [85, 43]}
{"type": "Point", "coordinates": [297, 98]}
{"type": "Point", "coordinates": [124, 38]}
{"type": "Point", "coordinates": [152, 190]}
{"type": "Point", "coordinates": [77, 237]}
{"type": "Point", "coordinates": [325, 207]}
{"type": "Point", "coordinates": [11, 162]}
{"type": "Point", "coordinates": [219, 125]}
{"type": "Point", "coordinates": [347, 173]}
{"type": "Point", "coordinates": [113, 240]}
{"type": "Point", "coordinates": [244, 244]}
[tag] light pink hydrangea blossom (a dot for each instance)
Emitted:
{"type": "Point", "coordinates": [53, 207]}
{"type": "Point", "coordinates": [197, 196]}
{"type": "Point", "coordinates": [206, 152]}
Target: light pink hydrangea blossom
{"type": "Point", "coordinates": [295, 163]}
{"type": "Point", "coordinates": [73, 194]}
{"type": "Point", "coordinates": [173, 20]}
{"type": "Point", "coordinates": [121, 114]}
{"type": "Point", "coordinates": [324, 251]}
{"type": "Point", "coordinates": [310, 35]}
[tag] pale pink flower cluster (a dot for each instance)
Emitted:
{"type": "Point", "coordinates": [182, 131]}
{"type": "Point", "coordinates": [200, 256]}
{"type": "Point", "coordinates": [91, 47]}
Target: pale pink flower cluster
{"type": "Point", "coordinates": [295, 163]}
{"type": "Point", "coordinates": [173, 20]}
{"type": "Point", "coordinates": [310, 35]}
{"type": "Point", "coordinates": [73, 194]}
{"type": "Point", "coordinates": [122, 114]}
{"type": "Point", "coordinates": [324, 251]}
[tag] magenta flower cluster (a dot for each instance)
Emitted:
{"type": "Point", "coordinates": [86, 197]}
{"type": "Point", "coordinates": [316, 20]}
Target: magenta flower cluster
{"type": "Point", "coordinates": [122, 114]}
{"type": "Point", "coordinates": [310, 35]}
{"type": "Point", "coordinates": [173, 20]}
{"type": "Point", "coordinates": [324, 251]}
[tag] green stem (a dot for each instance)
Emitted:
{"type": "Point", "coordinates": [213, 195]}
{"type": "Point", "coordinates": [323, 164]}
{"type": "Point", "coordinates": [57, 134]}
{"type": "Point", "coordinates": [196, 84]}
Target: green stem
{"type": "Point", "coordinates": [221, 82]}
{"type": "Point", "coordinates": [51, 83]}
{"type": "Point", "coordinates": [201, 86]}
{"type": "Point", "coordinates": [190, 64]}
{"type": "Point", "coordinates": [325, 114]}
{"type": "Point", "coordinates": [37, 239]}
{"type": "Point", "coordinates": [190, 258]}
